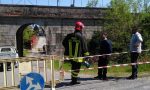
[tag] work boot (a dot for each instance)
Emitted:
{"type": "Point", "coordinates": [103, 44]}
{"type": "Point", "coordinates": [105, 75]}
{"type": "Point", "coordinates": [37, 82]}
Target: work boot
{"type": "Point", "coordinates": [132, 77]}
{"type": "Point", "coordinates": [98, 77]}
{"type": "Point", "coordinates": [73, 83]}
{"type": "Point", "coordinates": [105, 77]}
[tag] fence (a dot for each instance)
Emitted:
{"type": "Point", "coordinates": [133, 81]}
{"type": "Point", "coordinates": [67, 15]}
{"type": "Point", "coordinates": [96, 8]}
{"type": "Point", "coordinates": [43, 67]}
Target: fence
{"type": "Point", "coordinates": [76, 3]}
{"type": "Point", "coordinates": [33, 64]}
{"type": "Point", "coordinates": [26, 65]}
{"type": "Point", "coordinates": [109, 66]}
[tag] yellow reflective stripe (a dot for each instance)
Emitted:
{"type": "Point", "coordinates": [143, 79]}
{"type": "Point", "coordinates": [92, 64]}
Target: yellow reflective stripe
{"type": "Point", "coordinates": [77, 48]}
{"type": "Point", "coordinates": [87, 53]}
{"type": "Point", "coordinates": [74, 74]}
{"type": "Point", "coordinates": [78, 60]}
{"type": "Point", "coordinates": [70, 49]}
{"type": "Point", "coordinates": [76, 51]}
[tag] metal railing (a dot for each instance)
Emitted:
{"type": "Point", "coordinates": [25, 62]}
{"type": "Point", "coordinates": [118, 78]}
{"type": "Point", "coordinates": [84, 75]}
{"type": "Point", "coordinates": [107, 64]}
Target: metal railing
{"type": "Point", "coordinates": [35, 61]}
{"type": "Point", "coordinates": [24, 64]}
{"type": "Point", "coordinates": [68, 3]}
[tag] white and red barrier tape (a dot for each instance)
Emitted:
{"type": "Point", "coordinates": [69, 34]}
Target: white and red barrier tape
{"type": "Point", "coordinates": [104, 55]}
{"type": "Point", "coordinates": [62, 72]}
{"type": "Point", "coordinates": [118, 65]}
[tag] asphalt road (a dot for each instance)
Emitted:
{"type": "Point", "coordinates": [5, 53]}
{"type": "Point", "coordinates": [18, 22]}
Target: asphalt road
{"type": "Point", "coordinates": [112, 84]}
{"type": "Point", "coordinates": [88, 83]}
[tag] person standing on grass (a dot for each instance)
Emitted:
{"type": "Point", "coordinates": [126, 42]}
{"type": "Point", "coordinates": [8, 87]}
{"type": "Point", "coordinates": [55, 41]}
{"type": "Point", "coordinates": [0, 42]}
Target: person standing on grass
{"type": "Point", "coordinates": [75, 46]}
{"type": "Point", "coordinates": [105, 48]}
{"type": "Point", "coordinates": [135, 50]}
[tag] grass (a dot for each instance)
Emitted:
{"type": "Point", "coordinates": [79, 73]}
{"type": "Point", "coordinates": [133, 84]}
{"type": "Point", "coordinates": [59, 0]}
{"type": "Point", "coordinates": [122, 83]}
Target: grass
{"type": "Point", "coordinates": [114, 71]}
{"type": "Point", "coordinates": [25, 52]}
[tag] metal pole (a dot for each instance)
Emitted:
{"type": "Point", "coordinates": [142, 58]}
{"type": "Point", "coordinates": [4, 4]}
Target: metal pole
{"type": "Point", "coordinates": [52, 73]}
{"type": "Point", "coordinates": [24, 2]}
{"type": "Point", "coordinates": [5, 73]}
{"type": "Point", "coordinates": [36, 2]}
{"type": "Point", "coordinates": [61, 75]}
{"type": "Point", "coordinates": [102, 3]}
{"type": "Point", "coordinates": [12, 73]}
{"type": "Point", "coordinates": [48, 2]}
{"type": "Point", "coordinates": [38, 68]}
{"type": "Point", "coordinates": [57, 2]}
{"type": "Point", "coordinates": [73, 3]}
{"type": "Point", "coordinates": [45, 71]}
{"type": "Point", "coordinates": [19, 71]}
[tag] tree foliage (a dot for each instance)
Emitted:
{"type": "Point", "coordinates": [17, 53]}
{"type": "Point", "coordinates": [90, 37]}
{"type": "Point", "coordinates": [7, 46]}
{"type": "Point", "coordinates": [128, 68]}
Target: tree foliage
{"type": "Point", "coordinates": [121, 16]}
{"type": "Point", "coordinates": [92, 3]}
{"type": "Point", "coordinates": [27, 35]}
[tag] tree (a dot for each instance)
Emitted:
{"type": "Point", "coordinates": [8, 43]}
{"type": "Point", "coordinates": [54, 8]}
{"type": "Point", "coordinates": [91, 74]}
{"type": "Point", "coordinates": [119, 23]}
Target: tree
{"type": "Point", "coordinates": [120, 18]}
{"type": "Point", "coordinates": [92, 3]}
{"type": "Point", "coordinates": [27, 34]}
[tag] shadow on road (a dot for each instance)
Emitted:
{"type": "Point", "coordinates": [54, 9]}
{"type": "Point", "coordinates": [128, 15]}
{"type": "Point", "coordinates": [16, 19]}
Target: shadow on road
{"type": "Point", "coordinates": [89, 80]}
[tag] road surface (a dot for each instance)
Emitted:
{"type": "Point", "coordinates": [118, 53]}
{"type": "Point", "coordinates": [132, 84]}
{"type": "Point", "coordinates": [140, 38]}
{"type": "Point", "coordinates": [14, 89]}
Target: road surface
{"type": "Point", "coordinates": [88, 83]}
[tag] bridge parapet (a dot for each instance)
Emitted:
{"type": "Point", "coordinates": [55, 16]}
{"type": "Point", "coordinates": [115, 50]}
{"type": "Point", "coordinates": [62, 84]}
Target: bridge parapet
{"type": "Point", "coordinates": [51, 11]}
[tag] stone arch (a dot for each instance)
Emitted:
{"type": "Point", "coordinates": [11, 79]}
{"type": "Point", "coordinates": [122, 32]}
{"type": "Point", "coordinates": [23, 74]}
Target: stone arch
{"type": "Point", "coordinates": [19, 37]}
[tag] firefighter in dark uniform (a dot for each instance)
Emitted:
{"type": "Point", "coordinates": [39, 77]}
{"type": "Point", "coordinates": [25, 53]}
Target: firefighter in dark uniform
{"type": "Point", "coordinates": [75, 46]}
{"type": "Point", "coordinates": [105, 48]}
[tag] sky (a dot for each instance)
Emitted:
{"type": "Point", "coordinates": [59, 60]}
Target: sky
{"type": "Point", "coordinates": [78, 3]}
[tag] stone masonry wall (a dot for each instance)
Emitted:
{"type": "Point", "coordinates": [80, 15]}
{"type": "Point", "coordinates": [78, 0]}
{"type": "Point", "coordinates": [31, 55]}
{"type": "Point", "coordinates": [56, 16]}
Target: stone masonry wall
{"type": "Point", "coordinates": [56, 24]}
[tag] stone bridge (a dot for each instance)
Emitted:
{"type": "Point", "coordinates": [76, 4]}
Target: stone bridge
{"type": "Point", "coordinates": [56, 21]}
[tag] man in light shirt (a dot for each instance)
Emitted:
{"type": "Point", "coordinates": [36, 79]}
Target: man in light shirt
{"type": "Point", "coordinates": [135, 49]}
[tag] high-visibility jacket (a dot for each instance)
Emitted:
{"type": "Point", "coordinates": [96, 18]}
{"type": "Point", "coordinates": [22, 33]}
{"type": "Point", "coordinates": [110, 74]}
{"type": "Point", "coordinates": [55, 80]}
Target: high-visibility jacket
{"type": "Point", "coordinates": [75, 46]}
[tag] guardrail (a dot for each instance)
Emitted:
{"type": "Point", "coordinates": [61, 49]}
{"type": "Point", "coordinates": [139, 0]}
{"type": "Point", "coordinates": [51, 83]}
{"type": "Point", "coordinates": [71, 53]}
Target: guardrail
{"type": "Point", "coordinates": [26, 63]}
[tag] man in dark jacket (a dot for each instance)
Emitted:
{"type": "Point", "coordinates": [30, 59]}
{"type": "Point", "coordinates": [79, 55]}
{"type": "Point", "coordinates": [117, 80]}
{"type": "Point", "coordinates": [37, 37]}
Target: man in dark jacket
{"type": "Point", "coordinates": [105, 48]}
{"type": "Point", "coordinates": [75, 46]}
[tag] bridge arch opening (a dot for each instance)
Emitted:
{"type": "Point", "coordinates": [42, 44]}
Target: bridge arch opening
{"type": "Point", "coordinates": [31, 37]}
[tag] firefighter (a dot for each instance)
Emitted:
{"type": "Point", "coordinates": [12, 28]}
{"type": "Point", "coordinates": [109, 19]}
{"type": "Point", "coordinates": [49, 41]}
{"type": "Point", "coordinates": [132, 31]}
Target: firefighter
{"type": "Point", "coordinates": [75, 46]}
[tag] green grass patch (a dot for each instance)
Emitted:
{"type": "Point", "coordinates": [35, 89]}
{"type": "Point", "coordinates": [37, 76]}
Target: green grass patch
{"type": "Point", "coordinates": [113, 71]}
{"type": "Point", "coordinates": [25, 52]}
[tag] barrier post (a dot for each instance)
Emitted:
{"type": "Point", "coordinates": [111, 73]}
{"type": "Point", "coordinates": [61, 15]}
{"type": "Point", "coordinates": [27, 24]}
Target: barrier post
{"type": "Point", "coordinates": [5, 73]}
{"type": "Point", "coordinates": [12, 73]}
{"type": "Point", "coordinates": [38, 69]}
{"type": "Point", "coordinates": [61, 76]}
{"type": "Point", "coordinates": [52, 73]}
{"type": "Point", "coordinates": [45, 72]}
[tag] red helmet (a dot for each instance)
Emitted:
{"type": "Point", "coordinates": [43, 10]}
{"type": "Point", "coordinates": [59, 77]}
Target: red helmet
{"type": "Point", "coordinates": [79, 25]}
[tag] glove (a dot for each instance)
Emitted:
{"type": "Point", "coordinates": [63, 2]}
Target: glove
{"type": "Point", "coordinates": [86, 64]}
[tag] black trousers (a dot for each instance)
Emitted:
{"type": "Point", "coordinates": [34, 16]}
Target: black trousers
{"type": "Point", "coordinates": [134, 58]}
{"type": "Point", "coordinates": [103, 61]}
{"type": "Point", "coordinates": [74, 74]}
